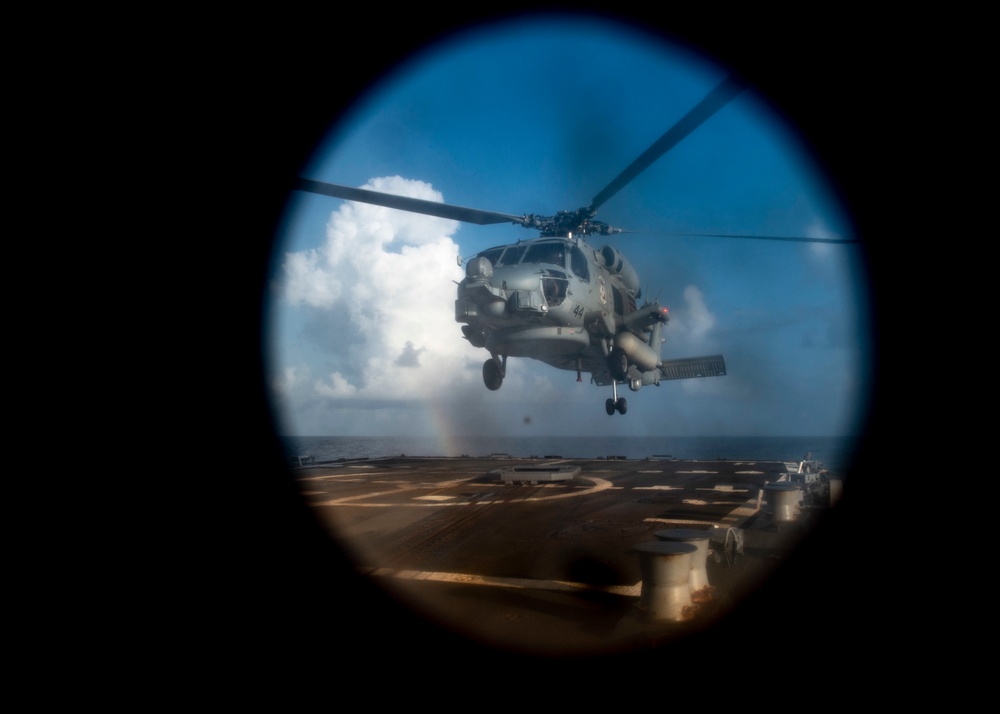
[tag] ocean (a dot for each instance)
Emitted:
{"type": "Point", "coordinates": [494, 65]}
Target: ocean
{"type": "Point", "coordinates": [834, 453]}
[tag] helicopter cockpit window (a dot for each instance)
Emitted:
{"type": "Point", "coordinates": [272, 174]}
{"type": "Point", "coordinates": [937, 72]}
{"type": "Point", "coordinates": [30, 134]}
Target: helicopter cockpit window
{"type": "Point", "coordinates": [554, 284]}
{"type": "Point", "coordinates": [511, 256]}
{"type": "Point", "coordinates": [551, 253]}
{"type": "Point", "coordinates": [579, 264]}
{"type": "Point", "coordinates": [492, 255]}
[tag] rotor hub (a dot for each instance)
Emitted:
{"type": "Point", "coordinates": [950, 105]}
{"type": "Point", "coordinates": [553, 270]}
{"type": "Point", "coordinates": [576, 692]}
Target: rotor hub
{"type": "Point", "coordinates": [565, 223]}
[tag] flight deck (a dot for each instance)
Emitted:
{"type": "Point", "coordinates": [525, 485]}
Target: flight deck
{"type": "Point", "coordinates": [552, 555]}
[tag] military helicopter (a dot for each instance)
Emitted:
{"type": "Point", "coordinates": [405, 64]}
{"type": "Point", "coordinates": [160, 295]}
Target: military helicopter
{"type": "Point", "coordinates": [557, 298]}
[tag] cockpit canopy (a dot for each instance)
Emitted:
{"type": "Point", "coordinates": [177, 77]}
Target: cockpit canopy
{"type": "Point", "coordinates": [551, 252]}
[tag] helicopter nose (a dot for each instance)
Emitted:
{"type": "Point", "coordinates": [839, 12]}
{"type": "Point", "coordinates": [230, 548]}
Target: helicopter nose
{"type": "Point", "coordinates": [479, 268]}
{"type": "Point", "coordinates": [477, 297]}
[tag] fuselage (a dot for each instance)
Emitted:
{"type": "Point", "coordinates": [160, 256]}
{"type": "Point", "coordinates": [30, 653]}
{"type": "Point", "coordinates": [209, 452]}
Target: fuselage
{"type": "Point", "coordinates": [551, 299]}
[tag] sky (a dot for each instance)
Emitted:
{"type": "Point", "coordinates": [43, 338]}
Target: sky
{"type": "Point", "coordinates": [536, 116]}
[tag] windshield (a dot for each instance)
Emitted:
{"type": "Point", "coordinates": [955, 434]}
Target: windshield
{"type": "Point", "coordinates": [552, 253]}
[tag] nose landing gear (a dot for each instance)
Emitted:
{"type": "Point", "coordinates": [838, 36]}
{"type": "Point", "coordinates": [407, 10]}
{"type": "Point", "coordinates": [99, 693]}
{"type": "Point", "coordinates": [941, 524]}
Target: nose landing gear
{"type": "Point", "coordinates": [494, 370]}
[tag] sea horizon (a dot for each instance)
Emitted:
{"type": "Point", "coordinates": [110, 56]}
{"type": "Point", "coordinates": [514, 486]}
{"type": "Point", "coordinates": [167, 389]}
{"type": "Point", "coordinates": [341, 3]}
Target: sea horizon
{"type": "Point", "coordinates": [833, 452]}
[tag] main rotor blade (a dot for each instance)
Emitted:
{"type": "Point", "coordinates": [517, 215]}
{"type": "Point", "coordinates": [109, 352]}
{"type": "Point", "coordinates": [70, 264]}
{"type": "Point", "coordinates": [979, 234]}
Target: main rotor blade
{"type": "Point", "coordinates": [750, 236]}
{"type": "Point", "coordinates": [405, 203]}
{"type": "Point", "coordinates": [713, 102]}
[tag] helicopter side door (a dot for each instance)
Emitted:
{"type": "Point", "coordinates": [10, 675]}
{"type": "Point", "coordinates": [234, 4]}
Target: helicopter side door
{"type": "Point", "coordinates": [599, 317]}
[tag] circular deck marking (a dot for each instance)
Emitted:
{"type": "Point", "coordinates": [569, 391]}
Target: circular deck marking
{"type": "Point", "coordinates": [566, 489]}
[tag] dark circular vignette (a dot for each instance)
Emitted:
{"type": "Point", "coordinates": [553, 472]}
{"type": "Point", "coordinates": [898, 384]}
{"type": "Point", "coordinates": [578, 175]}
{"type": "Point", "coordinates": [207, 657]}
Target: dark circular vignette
{"type": "Point", "coordinates": [282, 100]}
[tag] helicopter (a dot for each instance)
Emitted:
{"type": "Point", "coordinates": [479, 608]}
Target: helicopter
{"type": "Point", "coordinates": [561, 298]}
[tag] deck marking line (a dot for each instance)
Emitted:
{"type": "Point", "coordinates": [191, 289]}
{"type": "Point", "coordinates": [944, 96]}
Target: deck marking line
{"type": "Point", "coordinates": [520, 583]}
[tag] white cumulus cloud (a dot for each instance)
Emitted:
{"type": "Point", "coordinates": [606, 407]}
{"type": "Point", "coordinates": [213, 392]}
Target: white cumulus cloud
{"type": "Point", "coordinates": [392, 274]}
{"type": "Point", "coordinates": [335, 386]}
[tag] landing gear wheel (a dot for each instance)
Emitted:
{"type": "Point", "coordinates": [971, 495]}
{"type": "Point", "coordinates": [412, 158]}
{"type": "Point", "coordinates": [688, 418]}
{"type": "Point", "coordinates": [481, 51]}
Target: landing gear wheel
{"type": "Point", "coordinates": [618, 363]}
{"type": "Point", "coordinates": [609, 406]}
{"type": "Point", "coordinates": [491, 375]}
{"type": "Point", "coordinates": [621, 405]}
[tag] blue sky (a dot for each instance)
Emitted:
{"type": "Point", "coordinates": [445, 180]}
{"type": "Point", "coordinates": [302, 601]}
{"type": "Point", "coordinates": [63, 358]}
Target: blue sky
{"type": "Point", "coordinates": [537, 116]}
